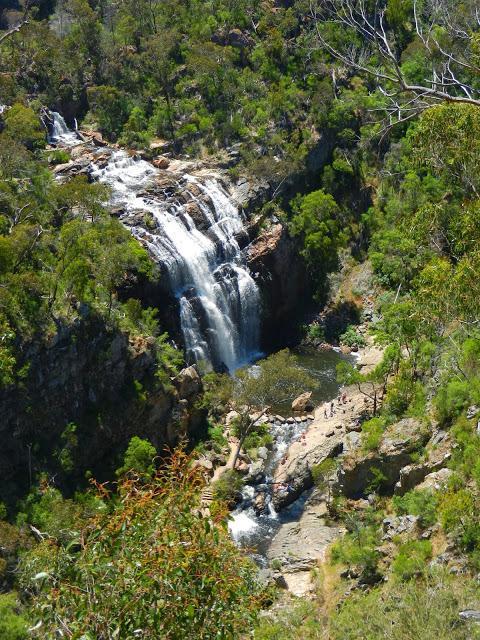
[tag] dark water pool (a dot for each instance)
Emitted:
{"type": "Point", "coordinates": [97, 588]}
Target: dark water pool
{"type": "Point", "coordinates": [321, 366]}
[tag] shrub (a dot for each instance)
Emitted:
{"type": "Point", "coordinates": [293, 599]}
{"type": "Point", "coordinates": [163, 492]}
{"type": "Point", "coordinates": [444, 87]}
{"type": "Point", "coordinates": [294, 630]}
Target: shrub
{"type": "Point", "coordinates": [421, 503]}
{"type": "Point", "coordinates": [138, 458]}
{"type": "Point", "coordinates": [228, 486]}
{"type": "Point", "coordinates": [152, 562]}
{"type": "Point", "coordinates": [451, 399]}
{"type": "Point", "coordinates": [351, 337]}
{"type": "Point", "coordinates": [372, 432]}
{"type": "Point", "coordinates": [13, 626]}
{"type": "Point", "coordinates": [424, 610]}
{"type": "Point", "coordinates": [315, 332]}
{"type": "Point", "coordinates": [357, 550]}
{"type": "Point", "coordinates": [412, 559]}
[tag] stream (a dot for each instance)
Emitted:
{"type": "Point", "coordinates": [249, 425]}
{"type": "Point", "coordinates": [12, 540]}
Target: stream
{"type": "Point", "coordinates": [254, 528]}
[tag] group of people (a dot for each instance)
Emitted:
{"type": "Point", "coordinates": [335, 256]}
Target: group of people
{"type": "Point", "coordinates": [342, 399]}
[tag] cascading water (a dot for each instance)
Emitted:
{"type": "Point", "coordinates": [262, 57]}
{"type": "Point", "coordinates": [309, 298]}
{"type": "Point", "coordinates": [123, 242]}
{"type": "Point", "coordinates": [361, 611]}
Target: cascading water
{"type": "Point", "coordinates": [60, 133]}
{"type": "Point", "coordinates": [218, 298]}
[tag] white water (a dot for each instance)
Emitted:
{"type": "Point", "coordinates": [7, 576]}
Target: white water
{"type": "Point", "coordinates": [60, 133]}
{"type": "Point", "coordinates": [218, 298]}
{"type": "Point", "coordinates": [245, 525]}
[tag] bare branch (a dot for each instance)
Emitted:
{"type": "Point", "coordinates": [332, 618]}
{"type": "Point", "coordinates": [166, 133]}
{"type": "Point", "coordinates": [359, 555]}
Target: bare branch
{"type": "Point", "coordinates": [24, 21]}
{"type": "Point", "coordinates": [446, 83]}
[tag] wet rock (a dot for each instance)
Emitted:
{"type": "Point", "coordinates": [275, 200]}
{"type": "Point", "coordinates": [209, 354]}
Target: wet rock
{"type": "Point", "coordinates": [303, 402]}
{"type": "Point", "coordinates": [256, 472]}
{"type": "Point", "coordinates": [259, 503]}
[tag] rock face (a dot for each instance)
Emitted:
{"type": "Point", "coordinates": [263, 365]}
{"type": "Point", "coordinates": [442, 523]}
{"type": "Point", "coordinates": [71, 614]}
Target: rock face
{"type": "Point", "coordinates": [273, 258]}
{"type": "Point", "coordinates": [398, 442]}
{"type": "Point", "coordinates": [299, 477]}
{"type": "Point", "coordinates": [188, 383]}
{"type": "Point", "coordinates": [105, 384]}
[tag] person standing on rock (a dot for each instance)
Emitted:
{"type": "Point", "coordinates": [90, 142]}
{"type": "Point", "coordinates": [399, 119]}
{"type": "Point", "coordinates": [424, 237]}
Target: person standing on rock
{"type": "Point", "coordinates": [325, 414]}
{"type": "Point", "coordinates": [332, 408]}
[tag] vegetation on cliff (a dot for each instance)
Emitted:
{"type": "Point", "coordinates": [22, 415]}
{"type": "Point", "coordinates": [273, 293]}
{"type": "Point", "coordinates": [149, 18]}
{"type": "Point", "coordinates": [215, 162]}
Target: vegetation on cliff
{"type": "Point", "coordinates": [280, 90]}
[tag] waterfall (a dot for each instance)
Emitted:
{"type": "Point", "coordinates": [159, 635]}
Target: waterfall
{"type": "Point", "coordinates": [218, 298]}
{"type": "Point", "coordinates": [60, 133]}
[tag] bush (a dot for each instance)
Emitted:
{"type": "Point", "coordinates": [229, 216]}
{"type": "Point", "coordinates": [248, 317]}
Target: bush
{"type": "Point", "coordinates": [451, 399]}
{"type": "Point", "coordinates": [152, 562]}
{"type": "Point", "coordinates": [421, 503]}
{"type": "Point", "coordinates": [138, 458]}
{"type": "Point", "coordinates": [411, 560]}
{"type": "Point", "coordinates": [372, 432]}
{"type": "Point", "coordinates": [13, 626]}
{"type": "Point", "coordinates": [351, 338]}
{"type": "Point", "coordinates": [358, 551]}
{"type": "Point", "coordinates": [315, 332]}
{"type": "Point", "coordinates": [421, 610]}
{"type": "Point", "coordinates": [228, 486]}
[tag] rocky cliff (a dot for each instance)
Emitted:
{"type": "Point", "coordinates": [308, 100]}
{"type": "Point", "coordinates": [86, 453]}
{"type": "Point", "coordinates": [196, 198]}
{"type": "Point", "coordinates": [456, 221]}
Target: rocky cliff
{"type": "Point", "coordinates": [104, 383]}
{"type": "Point", "coordinates": [280, 273]}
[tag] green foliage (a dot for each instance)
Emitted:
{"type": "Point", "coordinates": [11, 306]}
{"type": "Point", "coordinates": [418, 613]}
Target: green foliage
{"type": "Point", "coordinates": [13, 624]}
{"type": "Point", "coordinates": [420, 503]}
{"type": "Point", "coordinates": [228, 486]}
{"type": "Point", "coordinates": [140, 320]}
{"type": "Point", "coordinates": [411, 560]}
{"type": "Point", "coordinates": [413, 609]}
{"type": "Point", "coordinates": [215, 433]}
{"type": "Point", "coordinates": [169, 358]}
{"type": "Point", "coordinates": [315, 332]}
{"type": "Point", "coordinates": [22, 125]}
{"type": "Point", "coordinates": [358, 551]}
{"type": "Point", "coordinates": [451, 399]}
{"type": "Point", "coordinates": [151, 562]}
{"type": "Point", "coordinates": [316, 219]}
{"type": "Point", "coordinates": [351, 337]}
{"type": "Point", "coordinates": [109, 106]}
{"type": "Point", "coordinates": [372, 432]}
{"type": "Point", "coordinates": [138, 458]}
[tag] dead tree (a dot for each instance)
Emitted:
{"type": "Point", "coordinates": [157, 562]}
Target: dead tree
{"type": "Point", "coordinates": [447, 39]}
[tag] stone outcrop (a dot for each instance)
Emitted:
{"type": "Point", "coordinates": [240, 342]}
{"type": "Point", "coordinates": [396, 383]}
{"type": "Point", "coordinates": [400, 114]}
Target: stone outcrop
{"type": "Point", "coordinates": [399, 441]}
{"type": "Point", "coordinates": [303, 403]}
{"type": "Point", "coordinates": [299, 477]}
{"type": "Point", "coordinates": [273, 258]}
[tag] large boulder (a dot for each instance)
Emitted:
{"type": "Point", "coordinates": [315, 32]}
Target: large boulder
{"type": "Point", "coordinates": [303, 403]}
{"type": "Point", "coordinates": [188, 382]}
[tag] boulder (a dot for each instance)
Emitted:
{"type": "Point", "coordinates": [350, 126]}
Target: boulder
{"type": "Point", "coordinates": [403, 526]}
{"type": "Point", "coordinates": [436, 481]}
{"type": "Point", "coordinates": [262, 453]}
{"type": "Point", "coordinates": [303, 403]}
{"type": "Point", "coordinates": [188, 382]}
{"type": "Point", "coordinates": [161, 162]}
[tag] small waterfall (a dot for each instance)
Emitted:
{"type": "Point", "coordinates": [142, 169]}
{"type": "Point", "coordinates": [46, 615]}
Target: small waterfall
{"type": "Point", "coordinates": [218, 298]}
{"type": "Point", "coordinates": [60, 133]}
